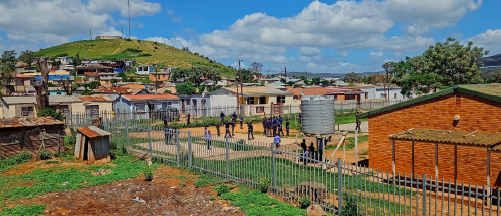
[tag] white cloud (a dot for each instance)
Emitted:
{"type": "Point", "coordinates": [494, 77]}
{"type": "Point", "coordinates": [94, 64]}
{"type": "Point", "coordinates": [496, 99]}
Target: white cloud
{"type": "Point", "coordinates": [235, 65]}
{"type": "Point", "coordinates": [376, 55]}
{"type": "Point", "coordinates": [137, 7]}
{"type": "Point", "coordinates": [309, 51]}
{"type": "Point", "coordinates": [489, 40]}
{"type": "Point", "coordinates": [344, 54]}
{"type": "Point", "coordinates": [173, 17]}
{"type": "Point", "coordinates": [304, 58]}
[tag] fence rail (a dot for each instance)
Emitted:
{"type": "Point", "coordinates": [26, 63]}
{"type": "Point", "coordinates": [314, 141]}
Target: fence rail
{"type": "Point", "coordinates": [336, 186]}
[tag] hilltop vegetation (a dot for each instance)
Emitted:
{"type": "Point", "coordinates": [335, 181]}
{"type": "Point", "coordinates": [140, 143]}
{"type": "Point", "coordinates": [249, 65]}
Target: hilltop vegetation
{"type": "Point", "coordinates": [144, 52]}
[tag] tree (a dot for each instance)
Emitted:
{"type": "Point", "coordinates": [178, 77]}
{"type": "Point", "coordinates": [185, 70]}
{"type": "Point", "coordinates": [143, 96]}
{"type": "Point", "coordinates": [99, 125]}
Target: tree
{"type": "Point", "coordinates": [439, 67]}
{"type": "Point", "coordinates": [42, 88]}
{"type": "Point", "coordinates": [283, 80]}
{"type": "Point", "coordinates": [27, 57]}
{"type": "Point", "coordinates": [76, 60]}
{"type": "Point", "coordinates": [324, 82]}
{"type": "Point", "coordinates": [7, 69]}
{"type": "Point", "coordinates": [55, 64]}
{"type": "Point", "coordinates": [256, 67]}
{"type": "Point", "coordinates": [388, 68]}
{"type": "Point", "coordinates": [87, 92]}
{"type": "Point", "coordinates": [315, 80]}
{"type": "Point", "coordinates": [291, 83]}
{"type": "Point", "coordinates": [247, 76]}
{"type": "Point", "coordinates": [167, 91]}
{"type": "Point", "coordinates": [195, 74]}
{"type": "Point", "coordinates": [351, 77]}
{"type": "Point", "coordinates": [52, 113]}
{"type": "Point", "coordinates": [185, 88]}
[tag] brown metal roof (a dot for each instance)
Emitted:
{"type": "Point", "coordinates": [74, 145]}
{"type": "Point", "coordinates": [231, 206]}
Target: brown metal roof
{"type": "Point", "coordinates": [92, 131]}
{"type": "Point", "coordinates": [94, 99]}
{"type": "Point", "coordinates": [28, 122]}
{"type": "Point", "coordinates": [443, 136]}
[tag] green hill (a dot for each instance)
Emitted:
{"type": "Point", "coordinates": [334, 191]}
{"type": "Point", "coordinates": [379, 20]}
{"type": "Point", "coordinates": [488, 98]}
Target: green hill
{"type": "Point", "coordinates": [144, 52]}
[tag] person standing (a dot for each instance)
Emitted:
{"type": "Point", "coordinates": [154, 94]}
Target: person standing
{"type": "Point", "coordinates": [312, 150]}
{"type": "Point", "coordinates": [205, 130]}
{"type": "Point", "coordinates": [208, 137]}
{"type": "Point", "coordinates": [217, 128]}
{"type": "Point", "coordinates": [287, 127]}
{"type": "Point", "coordinates": [166, 132]}
{"type": "Point", "coordinates": [188, 120]}
{"type": "Point", "coordinates": [234, 115]}
{"type": "Point", "coordinates": [233, 127]}
{"type": "Point", "coordinates": [280, 119]}
{"type": "Point", "coordinates": [221, 118]}
{"type": "Point", "coordinates": [268, 127]}
{"type": "Point", "coordinates": [303, 145]}
{"type": "Point", "coordinates": [280, 127]}
{"type": "Point", "coordinates": [299, 117]}
{"type": "Point", "coordinates": [277, 141]}
{"type": "Point", "coordinates": [274, 125]}
{"type": "Point", "coordinates": [165, 121]}
{"type": "Point", "coordinates": [241, 122]}
{"type": "Point", "coordinates": [320, 149]}
{"type": "Point", "coordinates": [250, 129]}
{"type": "Point", "coordinates": [264, 126]}
{"type": "Point", "coordinates": [227, 127]}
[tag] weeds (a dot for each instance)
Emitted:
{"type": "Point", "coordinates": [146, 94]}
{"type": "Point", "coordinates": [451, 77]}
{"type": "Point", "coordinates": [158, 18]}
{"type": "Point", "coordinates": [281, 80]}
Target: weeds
{"type": "Point", "coordinates": [256, 203]}
{"type": "Point", "coordinates": [206, 180]}
{"type": "Point", "coordinates": [304, 202]}
{"type": "Point", "coordinates": [23, 210]}
{"type": "Point", "coordinates": [263, 185]}
{"type": "Point", "coordinates": [222, 189]}
{"type": "Point", "coordinates": [44, 155]}
{"type": "Point", "coordinates": [212, 198]}
{"type": "Point", "coordinates": [148, 174]}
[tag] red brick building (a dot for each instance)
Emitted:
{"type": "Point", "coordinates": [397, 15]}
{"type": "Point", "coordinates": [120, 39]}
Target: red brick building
{"type": "Point", "coordinates": [452, 134]}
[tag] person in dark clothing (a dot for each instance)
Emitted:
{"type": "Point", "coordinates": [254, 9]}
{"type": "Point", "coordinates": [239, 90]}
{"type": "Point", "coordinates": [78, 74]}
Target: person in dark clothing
{"type": "Point", "coordinates": [241, 122]}
{"type": "Point", "coordinates": [303, 145]}
{"type": "Point", "coordinates": [250, 129]}
{"type": "Point", "coordinates": [299, 117]}
{"type": "Point", "coordinates": [217, 128]}
{"type": "Point", "coordinates": [166, 132]}
{"type": "Point", "coordinates": [274, 126]}
{"type": "Point", "coordinates": [280, 129]}
{"type": "Point", "coordinates": [268, 128]}
{"type": "Point", "coordinates": [320, 149]}
{"type": "Point", "coordinates": [188, 119]}
{"type": "Point", "coordinates": [227, 129]}
{"type": "Point", "coordinates": [312, 150]}
{"type": "Point", "coordinates": [280, 119]}
{"type": "Point", "coordinates": [208, 137]}
{"type": "Point", "coordinates": [234, 115]}
{"type": "Point", "coordinates": [287, 127]}
{"type": "Point", "coordinates": [233, 123]}
{"type": "Point", "coordinates": [221, 118]}
{"type": "Point", "coordinates": [264, 126]}
{"type": "Point", "coordinates": [165, 121]}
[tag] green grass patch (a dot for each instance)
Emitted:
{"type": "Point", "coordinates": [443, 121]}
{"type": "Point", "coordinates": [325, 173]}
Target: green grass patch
{"type": "Point", "coordinates": [44, 181]}
{"type": "Point", "coordinates": [207, 180]}
{"type": "Point", "coordinates": [351, 145]}
{"type": "Point", "coordinates": [257, 203]}
{"type": "Point", "coordinates": [24, 210]}
{"type": "Point", "coordinates": [340, 120]}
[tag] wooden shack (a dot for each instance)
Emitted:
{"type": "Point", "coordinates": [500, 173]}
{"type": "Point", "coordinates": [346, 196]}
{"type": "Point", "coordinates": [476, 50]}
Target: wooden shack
{"type": "Point", "coordinates": [30, 134]}
{"type": "Point", "coordinates": [92, 144]}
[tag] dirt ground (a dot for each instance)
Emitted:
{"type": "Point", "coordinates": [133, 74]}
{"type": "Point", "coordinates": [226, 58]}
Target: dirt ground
{"type": "Point", "coordinates": [162, 196]}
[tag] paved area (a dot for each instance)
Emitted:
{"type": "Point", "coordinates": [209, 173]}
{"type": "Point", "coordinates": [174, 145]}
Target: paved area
{"type": "Point", "coordinates": [364, 127]}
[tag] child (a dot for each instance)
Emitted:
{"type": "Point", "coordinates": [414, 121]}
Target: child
{"type": "Point", "coordinates": [241, 122]}
{"type": "Point", "coordinates": [208, 136]}
{"type": "Point", "coordinates": [217, 128]}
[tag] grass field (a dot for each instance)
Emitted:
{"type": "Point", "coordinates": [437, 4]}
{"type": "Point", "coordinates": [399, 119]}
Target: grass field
{"type": "Point", "coordinates": [161, 54]}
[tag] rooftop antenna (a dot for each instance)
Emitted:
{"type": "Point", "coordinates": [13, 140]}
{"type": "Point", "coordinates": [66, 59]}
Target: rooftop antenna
{"type": "Point", "coordinates": [91, 34]}
{"type": "Point", "coordinates": [122, 30]}
{"type": "Point", "coordinates": [128, 7]}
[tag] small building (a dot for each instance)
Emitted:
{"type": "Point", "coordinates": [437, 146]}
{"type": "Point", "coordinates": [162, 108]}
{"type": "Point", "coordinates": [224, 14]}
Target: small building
{"type": "Point", "coordinates": [158, 78]}
{"type": "Point", "coordinates": [106, 37]}
{"type": "Point", "coordinates": [64, 60]}
{"type": "Point", "coordinates": [93, 68]}
{"type": "Point", "coordinates": [106, 78]}
{"type": "Point", "coordinates": [167, 69]}
{"type": "Point", "coordinates": [92, 76]}
{"type": "Point", "coordinates": [145, 69]}
{"type": "Point", "coordinates": [338, 94]}
{"type": "Point", "coordinates": [92, 145]}
{"type": "Point", "coordinates": [53, 74]}
{"type": "Point", "coordinates": [452, 134]}
{"type": "Point", "coordinates": [141, 104]}
{"type": "Point", "coordinates": [56, 91]}
{"type": "Point", "coordinates": [26, 134]}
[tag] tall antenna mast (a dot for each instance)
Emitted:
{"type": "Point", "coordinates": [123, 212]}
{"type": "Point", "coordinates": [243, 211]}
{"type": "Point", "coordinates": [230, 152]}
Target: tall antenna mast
{"type": "Point", "coordinates": [128, 7]}
{"type": "Point", "coordinates": [122, 31]}
{"type": "Point", "coordinates": [90, 31]}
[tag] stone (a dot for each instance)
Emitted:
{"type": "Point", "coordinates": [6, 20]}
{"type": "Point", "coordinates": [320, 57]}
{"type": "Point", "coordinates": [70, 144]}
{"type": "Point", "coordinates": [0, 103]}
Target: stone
{"type": "Point", "coordinates": [65, 183]}
{"type": "Point", "coordinates": [139, 200]}
{"type": "Point", "coordinates": [315, 210]}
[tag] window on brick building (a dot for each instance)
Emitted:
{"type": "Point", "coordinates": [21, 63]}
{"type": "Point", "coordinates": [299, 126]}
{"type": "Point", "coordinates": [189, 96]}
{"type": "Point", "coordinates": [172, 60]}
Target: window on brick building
{"type": "Point", "coordinates": [458, 100]}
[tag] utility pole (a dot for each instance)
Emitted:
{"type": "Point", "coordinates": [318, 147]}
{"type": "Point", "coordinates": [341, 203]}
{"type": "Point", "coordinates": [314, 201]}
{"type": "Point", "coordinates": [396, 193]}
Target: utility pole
{"type": "Point", "coordinates": [293, 75]}
{"type": "Point", "coordinates": [241, 86]}
{"type": "Point", "coordinates": [91, 34]}
{"type": "Point", "coordinates": [285, 74]}
{"type": "Point", "coordinates": [128, 7]}
{"type": "Point", "coordinates": [156, 80]}
{"type": "Point", "coordinates": [268, 73]}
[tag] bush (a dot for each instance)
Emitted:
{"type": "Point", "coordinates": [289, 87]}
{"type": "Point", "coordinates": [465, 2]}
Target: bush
{"type": "Point", "coordinates": [21, 157]}
{"type": "Point", "coordinates": [350, 206]}
{"type": "Point", "coordinates": [148, 174]}
{"type": "Point", "coordinates": [305, 202]}
{"type": "Point", "coordinates": [132, 49]}
{"type": "Point", "coordinates": [44, 155]}
{"type": "Point", "coordinates": [264, 185]}
{"type": "Point", "coordinates": [144, 54]}
{"type": "Point", "coordinates": [167, 91]}
{"type": "Point", "coordinates": [52, 113]}
{"type": "Point", "coordinates": [222, 189]}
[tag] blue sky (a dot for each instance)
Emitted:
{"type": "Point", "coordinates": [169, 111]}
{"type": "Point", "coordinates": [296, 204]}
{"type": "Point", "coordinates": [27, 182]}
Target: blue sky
{"type": "Point", "coordinates": [323, 36]}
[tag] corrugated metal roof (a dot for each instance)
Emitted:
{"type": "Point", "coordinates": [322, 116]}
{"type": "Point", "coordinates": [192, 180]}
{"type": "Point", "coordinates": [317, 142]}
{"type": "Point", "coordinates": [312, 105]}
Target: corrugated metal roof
{"type": "Point", "coordinates": [92, 131]}
{"type": "Point", "coordinates": [32, 100]}
{"type": "Point", "coordinates": [28, 122]}
{"type": "Point", "coordinates": [259, 89]}
{"type": "Point", "coordinates": [95, 99]}
{"type": "Point", "coordinates": [443, 136]}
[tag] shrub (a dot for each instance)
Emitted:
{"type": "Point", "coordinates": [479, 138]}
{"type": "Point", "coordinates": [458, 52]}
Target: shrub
{"type": "Point", "coordinates": [264, 185]}
{"type": "Point", "coordinates": [167, 91]}
{"type": "Point", "coordinates": [212, 198]}
{"type": "Point", "coordinates": [148, 174]}
{"type": "Point", "coordinates": [222, 189]}
{"type": "Point", "coordinates": [305, 202]}
{"type": "Point", "coordinates": [144, 54]}
{"type": "Point", "coordinates": [156, 47]}
{"type": "Point", "coordinates": [21, 157]}
{"type": "Point", "coordinates": [132, 50]}
{"type": "Point", "coordinates": [52, 113]}
{"type": "Point", "coordinates": [44, 155]}
{"type": "Point", "coordinates": [350, 206]}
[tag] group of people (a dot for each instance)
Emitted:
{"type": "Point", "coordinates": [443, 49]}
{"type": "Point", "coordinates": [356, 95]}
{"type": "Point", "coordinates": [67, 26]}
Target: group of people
{"type": "Point", "coordinates": [310, 153]}
{"type": "Point", "coordinates": [273, 126]}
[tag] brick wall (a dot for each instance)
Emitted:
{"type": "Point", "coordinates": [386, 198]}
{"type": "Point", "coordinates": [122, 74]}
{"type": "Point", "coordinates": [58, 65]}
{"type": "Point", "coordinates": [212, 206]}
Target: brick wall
{"type": "Point", "coordinates": [476, 114]}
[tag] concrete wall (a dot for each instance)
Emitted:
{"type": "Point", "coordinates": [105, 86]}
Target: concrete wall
{"type": "Point", "coordinates": [476, 114]}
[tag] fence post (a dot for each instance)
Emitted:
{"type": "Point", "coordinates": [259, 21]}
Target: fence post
{"type": "Point", "coordinates": [424, 193]}
{"type": "Point", "coordinates": [178, 146]}
{"type": "Point", "coordinates": [227, 160]}
{"type": "Point", "coordinates": [339, 185]}
{"type": "Point", "coordinates": [190, 159]}
{"type": "Point", "coordinates": [127, 135]}
{"type": "Point", "coordinates": [274, 167]}
{"type": "Point", "coordinates": [149, 141]}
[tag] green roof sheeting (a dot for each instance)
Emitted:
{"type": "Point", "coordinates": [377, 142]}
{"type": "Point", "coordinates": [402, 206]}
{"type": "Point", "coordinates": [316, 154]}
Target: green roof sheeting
{"type": "Point", "coordinates": [486, 91]}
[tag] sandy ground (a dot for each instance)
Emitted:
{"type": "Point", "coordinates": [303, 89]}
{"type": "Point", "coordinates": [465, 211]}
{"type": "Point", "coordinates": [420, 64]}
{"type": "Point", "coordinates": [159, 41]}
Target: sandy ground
{"type": "Point", "coordinates": [162, 196]}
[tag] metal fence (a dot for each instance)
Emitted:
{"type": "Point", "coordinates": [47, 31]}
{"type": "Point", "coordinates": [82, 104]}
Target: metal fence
{"type": "Point", "coordinates": [336, 186]}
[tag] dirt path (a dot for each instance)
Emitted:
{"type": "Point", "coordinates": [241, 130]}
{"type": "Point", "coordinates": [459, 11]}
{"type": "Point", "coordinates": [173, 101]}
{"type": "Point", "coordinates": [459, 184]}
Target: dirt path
{"type": "Point", "coordinates": [163, 196]}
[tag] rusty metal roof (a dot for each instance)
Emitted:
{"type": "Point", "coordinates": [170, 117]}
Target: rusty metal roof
{"type": "Point", "coordinates": [92, 131]}
{"type": "Point", "coordinates": [94, 99]}
{"type": "Point", "coordinates": [28, 122]}
{"type": "Point", "coordinates": [444, 136]}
